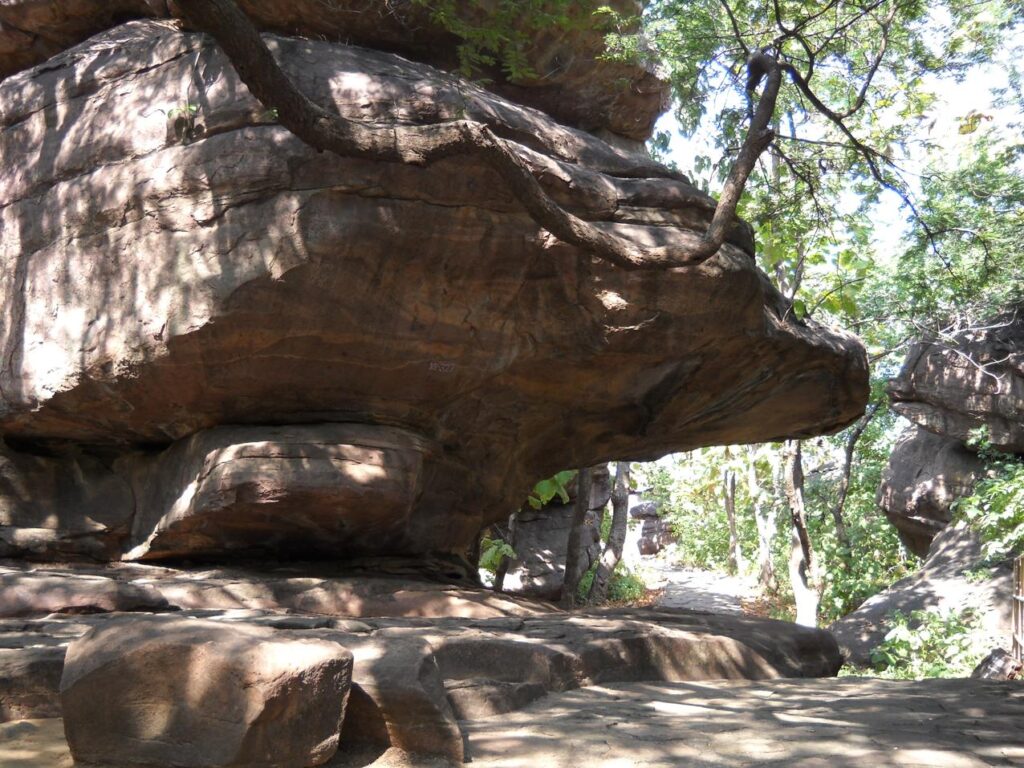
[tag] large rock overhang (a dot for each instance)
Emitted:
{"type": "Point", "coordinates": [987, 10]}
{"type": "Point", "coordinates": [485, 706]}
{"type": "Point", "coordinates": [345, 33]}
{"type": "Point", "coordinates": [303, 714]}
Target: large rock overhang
{"type": "Point", "coordinates": [158, 283]}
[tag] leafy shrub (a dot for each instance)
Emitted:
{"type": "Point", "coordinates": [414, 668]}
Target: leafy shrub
{"type": "Point", "coordinates": [929, 644]}
{"type": "Point", "coordinates": [493, 551]}
{"type": "Point", "coordinates": [544, 491]}
{"type": "Point", "coordinates": [996, 507]}
{"type": "Point", "coordinates": [625, 586]}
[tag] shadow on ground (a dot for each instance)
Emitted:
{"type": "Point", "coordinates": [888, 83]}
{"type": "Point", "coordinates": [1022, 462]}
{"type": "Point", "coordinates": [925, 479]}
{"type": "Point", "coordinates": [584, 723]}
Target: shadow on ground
{"type": "Point", "coordinates": [846, 723]}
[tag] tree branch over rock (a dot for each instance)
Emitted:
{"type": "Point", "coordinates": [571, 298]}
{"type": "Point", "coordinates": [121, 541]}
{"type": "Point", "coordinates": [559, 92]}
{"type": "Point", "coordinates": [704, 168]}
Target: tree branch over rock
{"type": "Point", "coordinates": [423, 145]}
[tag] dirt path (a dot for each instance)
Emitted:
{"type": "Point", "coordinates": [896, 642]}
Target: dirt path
{"type": "Point", "coordinates": [693, 588]}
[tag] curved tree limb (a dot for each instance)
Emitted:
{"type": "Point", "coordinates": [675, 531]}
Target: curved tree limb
{"type": "Point", "coordinates": [423, 145]}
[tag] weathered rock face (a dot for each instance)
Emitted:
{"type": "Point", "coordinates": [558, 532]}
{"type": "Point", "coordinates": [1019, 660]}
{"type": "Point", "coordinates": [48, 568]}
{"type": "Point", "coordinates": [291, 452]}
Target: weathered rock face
{"type": "Point", "coordinates": [162, 691]}
{"type": "Point", "coordinates": [298, 490]}
{"type": "Point", "coordinates": [949, 391]}
{"type": "Point", "coordinates": [542, 541]}
{"type": "Point", "coordinates": [925, 475]}
{"type": "Point", "coordinates": [296, 587]}
{"type": "Point", "coordinates": [571, 81]}
{"type": "Point", "coordinates": [153, 289]}
{"type": "Point", "coordinates": [944, 583]}
{"type": "Point", "coordinates": [953, 389]}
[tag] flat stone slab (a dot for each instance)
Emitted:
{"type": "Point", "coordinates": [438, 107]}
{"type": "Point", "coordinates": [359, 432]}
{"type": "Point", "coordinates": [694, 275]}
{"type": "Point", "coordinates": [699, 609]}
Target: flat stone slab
{"type": "Point", "coordinates": [849, 722]}
{"type": "Point", "coordinates": [29, 589]}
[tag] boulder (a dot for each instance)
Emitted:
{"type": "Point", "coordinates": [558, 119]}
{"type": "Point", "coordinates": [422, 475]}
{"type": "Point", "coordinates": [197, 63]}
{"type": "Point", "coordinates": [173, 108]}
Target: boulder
{"type": "Point", "coordinates": [163, 691]}
{"type": "Point", "coordinates": [398, 698]}
{"type": "Point", "coordinates": [230, 275]}
{"type": "Point", "coordinates": [414, 681]}
{"type": "Point", "coordinates": [570, 78]}
{"type": "Point", "coordinates": [329, 489]}
{"type": "Point", "coordinates": [644, 510]}
{"type": "Point", "coordinates": [975, 381]}
{"type": "Point", "coordinates": [655, 535]}
{"type": "Point", "coordinates": [998, 665]}
{"type": "Point", "coordinates": [946, 582]}
{"type": "Point", "coordinates": [926, 473]}
{"type": "Point", "coordinates": [542, 540]}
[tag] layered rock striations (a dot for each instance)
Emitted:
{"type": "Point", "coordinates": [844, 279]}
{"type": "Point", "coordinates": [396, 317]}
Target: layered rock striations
{"type": "Point", "coordinates": [975, 382]}
{"type": "Point", "coordinates": [221, 340]}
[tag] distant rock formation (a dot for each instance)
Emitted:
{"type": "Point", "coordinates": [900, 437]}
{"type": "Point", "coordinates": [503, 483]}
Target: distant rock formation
{"type": "Point", "coordinates": [655, 533]}
{"type": "Point", "coordinates": [977, 381]}
{"type": "Point", "coordinates": [925, 475]}
{"type": "Point", "coordinates": [949, 391]}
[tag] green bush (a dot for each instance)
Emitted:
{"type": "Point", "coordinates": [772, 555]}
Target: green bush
{"type": "Point", "coordinates": [927, 643]}
{"type": "Point", "coordinates": [625, 585]}
{"type": "Point", "coordinates": [996, 508]}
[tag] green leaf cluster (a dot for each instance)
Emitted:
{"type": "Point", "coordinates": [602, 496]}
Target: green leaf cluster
{"type": "Point", "coordinates": [500, 35]}
{"type": "Point", "coordinates": [996, 507]}
{"type": "Point", "coordinates": [493, 551]}
{"type": "Point", "coordinates": [547, 489]}
{"type": "Point", "coordinates": [928, 643]}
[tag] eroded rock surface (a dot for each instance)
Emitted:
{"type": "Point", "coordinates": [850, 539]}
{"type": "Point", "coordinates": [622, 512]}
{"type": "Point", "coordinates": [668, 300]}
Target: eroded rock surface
{"type": "Point", "coordinates": [958, 394]}
{"type": "Point", "coordinates": [926, 473]}
{"type": "Point", "coordinates": [160, 282]}
{"type": "Point", "coordinates": [162, 691]}
{"type": "Point", "coordinates": [300, 587]}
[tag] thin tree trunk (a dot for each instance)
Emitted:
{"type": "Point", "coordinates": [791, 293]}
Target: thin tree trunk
{"type": "Point", "coordinates": [736, 563]}
{"type": "Point", "coordinates": [422, 145]}
{"type": "Point", "coordinates": [764, 517]}
{"type": "Point", "coordinates": [801, 556]}
{"type": "Point", "coordinates": [573, 562]}
{"type": "Point", "coordinates": [844, 477]}
{"type": "Point", "coordinates": [616, 535]}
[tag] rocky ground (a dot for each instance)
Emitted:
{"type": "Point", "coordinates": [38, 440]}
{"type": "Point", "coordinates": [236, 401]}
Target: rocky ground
{"type": "Point", "coordinates": [806, 723]}
{"type": "Point", "coordinates": [602, 709]}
